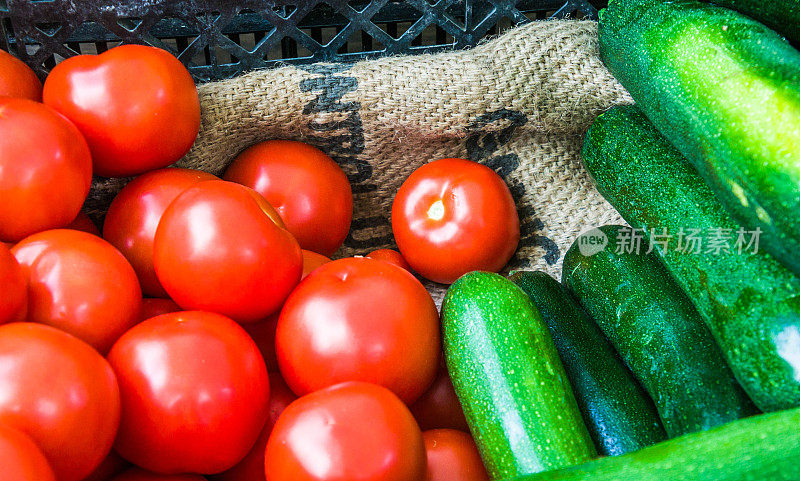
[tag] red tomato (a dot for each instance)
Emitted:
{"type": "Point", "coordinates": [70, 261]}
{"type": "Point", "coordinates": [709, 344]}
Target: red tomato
{"type": "Point", "coordinates": [453, 216]}
{"type": "Point", "coordinates": [156, 307]}
{"type": "Point", "coordinates": [359, 319]}
{"type": "Point", "coordinates": [346, 432]}
{"type": "Point", "coordinates": [218, 248]}
{"type": "Point", "coordinates": [138, 474]}
{"type": "Point", "coordinates": [390, 256]}
{"type": "Point", "coordinates": [263, 334]}
{"type": "Point", "coordinates": [453, 456]}
{"type": "Point", "coordinates": [17, 79]}
{"type": "Point", "coordinates": [60, 392]}
{"type": "Point", "coordinates": [194, 393]}
{"type": "Point", "coordinates": [307, 188]}
{"type": "Point", "coordinates": [137, 106]}
{"type": "Point", "coordinates": [14, 297]}
{"type": "Point", "coordinates": [83, 223]}
{"type": "Point", "coordinates": [312, 260]}
{"type": "Point", "coordinates": [80, 284]}
{"type": "Point", "coordinates": [46, 169]}
{"type": "Point", "coordinates": [135, 212]}
{"type": "Point", "coordinates": [439, 407]}
{"type": "Point", "coordinates": [21, 459]}
{"type": "Point", "coordinates": [251, 468]}
{"type": "Point", "coordinates": [110, 467]}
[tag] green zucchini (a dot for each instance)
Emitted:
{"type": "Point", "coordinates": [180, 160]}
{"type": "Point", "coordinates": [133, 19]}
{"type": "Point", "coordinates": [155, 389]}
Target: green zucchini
{"type": "Point", "coordinates": [760, 448]}
{"type": "Point", "coordinates": [749, 301]}
{"type": "Point", "coordinates": [619, 414]}
{"type": "Point", "coordinates": [657, 332]}
{"type": "Point", "coordinates": [725, 90]}
{"type": "Point", "coordinates": [783, 16]}
{"type": "Point", "coordinates": [506, 372]}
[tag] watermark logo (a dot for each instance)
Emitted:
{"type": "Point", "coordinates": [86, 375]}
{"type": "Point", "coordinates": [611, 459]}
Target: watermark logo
{"type": "Point", "coordinates": [591, 242]}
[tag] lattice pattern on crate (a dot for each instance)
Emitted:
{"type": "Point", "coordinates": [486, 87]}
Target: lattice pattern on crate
{"type": "Point", "coordinates": [222, 38]}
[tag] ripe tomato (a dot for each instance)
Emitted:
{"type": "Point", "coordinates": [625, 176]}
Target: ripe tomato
{"type": "Point", "coordinates": [83, 223]}
{"type": "Point", "coordinates": [439, 406]}
{"type": "Point", "coordinates": [14, 297]}
{"type": "Point", "coordinates": [218, 248]}
{"type": "Point", "coordinates": [21, 459]}
{"type": "Point", "coordinates": [453, 456]}
{"type": "Point", "coordinates": [138, 474]}
{"type": "Point", "coordinates": [156, 307]}
{"type": "Point", "coordinates": [312, 260]}
{"type": "Point", "coordinates": [349, 431]}
{"type": "Point", "coordinates": [110, 467]}
{"type": "Point", "coordinates": [46, 169]}
{"type": "Point", "coordinates": [251, 468]}
{"type": "Point", "coordinates": [263, 334]}
{"type": "Point", "coordinates": [135, 212]}
{"type": "Point", "coordinates": [17, 79]}
{"type": "Point", "coordinates": [359, 319]}
{"type": "Point", "coordinates": [59, 391]}
{"type": "Point", "coordinates": [453, 216]}
{"type": "Point", "coordinates": [391, 256]}
{"type": "Point", "coordinates": [308, 189]}
{"type": "Point", "coordinates": [137, 106]}
{"type": "Point", "coordinates": [194, 393]}
{"type": "Point", "coordinates": [80, 284]}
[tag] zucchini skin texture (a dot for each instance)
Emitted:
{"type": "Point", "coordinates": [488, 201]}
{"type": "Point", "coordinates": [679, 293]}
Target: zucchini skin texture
{"type": "Point", "coordinates": [761, 448]}
{"type": "Point", "coordinates": [725, 90]}
{"type": "Point", "coordinates": [783, 16]}
{"type": "Point", "coordinates": [506, 372]}
{"type": "Point", "coordinates": [658, 333]}
{"type": "Point", "coordinates": [749, 301]}
{"type": "Point", "coordinates": [619, 414]}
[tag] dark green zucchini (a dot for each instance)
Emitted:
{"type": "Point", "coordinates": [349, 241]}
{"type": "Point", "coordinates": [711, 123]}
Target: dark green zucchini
{"type": "Point", "coordinates": [657, 332]}
{"type": "Point", "coordinates": [783, 16]}
{"type": "Point", "coordinates": [620, 415]}
{"type": "Point", "coordinates": [749, 301]}
{"type": "Point", "coordinates": [506, 372]}
{"type": "Point", "coordinates": [760, 448]}
{"type": "Point", "coordinates": [725, 90]}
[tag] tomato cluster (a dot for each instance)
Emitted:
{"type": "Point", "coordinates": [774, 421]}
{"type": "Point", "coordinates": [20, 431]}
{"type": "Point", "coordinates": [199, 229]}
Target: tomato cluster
{"type": "Point", "coordinates": [254, 355]}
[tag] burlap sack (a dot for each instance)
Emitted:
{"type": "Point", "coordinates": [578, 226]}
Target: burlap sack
{"type": "Point", "coordinates": [520, 104]}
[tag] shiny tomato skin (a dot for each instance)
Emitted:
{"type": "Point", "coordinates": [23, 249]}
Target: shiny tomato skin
{"type": "Point", "coordinates": [61, 393]}
{"type": "Point", "coordinates": [21, 459]}
{"type": "Point", "coordinates": [136, 105]}
{"type": "Point", "coordinates": [17, 79]}
{"type": "Point", "coordinates": [14, 298]}
{"type": "Point", "coordinates": [83, 223]}
{"type": "Point", "coordinates": [133, 216]}
{"type": "Point", "coordinates": [453, 216]}
{"type": "Point", "coordinates": [139, 474]}
{"type": "Point", "coordinates": [439, 407]}
{"type": "Point", "coordinates": [194, 393]}
{"type": "Point", "coordinates": [79, 283]}
{"type": "Point", "coordinates": [152, 307]}
{"type": "Point", "coordinates": [218, 248]}
{"type": "Point", "coordinates": [391, 256]}
{"type": "Point", "coordinates": [110, 467]}
{"type": "Point", "coordinates": [359, 319]}
{"type": "Point", "coordinates": [350, 431]}
{"type": "Point", "coordinates": [453, 456]}
{"type": "Point", "coordinates": [46, 166]}
{"type": "Point", "coordinates": [312, 260]}
{"type": "Point", "coordinates": [307, 188]}
{"type": "Point", "coordinates": [251, 468]}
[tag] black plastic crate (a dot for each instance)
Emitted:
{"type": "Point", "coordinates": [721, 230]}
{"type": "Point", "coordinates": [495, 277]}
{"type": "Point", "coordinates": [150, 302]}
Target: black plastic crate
{"type": "Point", "coordinates": [219, 39]}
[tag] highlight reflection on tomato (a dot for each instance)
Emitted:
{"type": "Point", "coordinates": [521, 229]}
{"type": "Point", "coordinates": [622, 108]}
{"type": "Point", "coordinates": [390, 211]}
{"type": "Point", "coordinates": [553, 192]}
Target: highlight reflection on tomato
{"type": "Point", "coordinates": [453, 216]}
{"type": "Point", "coordinates": [221, 247]}
{"type": "Point", "coordinates": [61, 393]}
{"type": "Point", "coordinates": [133, 216]}
{"type": "Point", "coordinates": [194, 393]}
{"type": "Point", "coordinates": [136, 105]}
{"type": "Point", "coordinates": [349, 431]}
{"type": "Point", "coordinates": [21, 459]}
{"type": "Point", "coordinates": [79, 283]}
